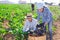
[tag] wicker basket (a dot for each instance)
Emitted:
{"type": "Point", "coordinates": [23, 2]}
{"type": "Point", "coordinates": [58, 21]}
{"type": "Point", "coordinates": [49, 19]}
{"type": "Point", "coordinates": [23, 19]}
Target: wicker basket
{"type": "Point", "coordinates": [37, 37]}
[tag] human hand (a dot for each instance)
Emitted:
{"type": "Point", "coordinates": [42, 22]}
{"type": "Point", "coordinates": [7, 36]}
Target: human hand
{"type": "Point", "coordinates": [45, 23]}
{"type": "Point", "coordinates": [27, 29]}
{"type": "Point", "coordinates": [32, 30]}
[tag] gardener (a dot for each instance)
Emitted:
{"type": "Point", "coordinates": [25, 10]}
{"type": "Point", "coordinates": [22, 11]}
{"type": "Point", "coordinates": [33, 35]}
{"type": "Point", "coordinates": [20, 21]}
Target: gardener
{"type": "Point", "coordinates": [46, 16]}
{"type": "Point", "coordinates": [32, 6]}
{"type": "Point", "coordinates": [30, 24]}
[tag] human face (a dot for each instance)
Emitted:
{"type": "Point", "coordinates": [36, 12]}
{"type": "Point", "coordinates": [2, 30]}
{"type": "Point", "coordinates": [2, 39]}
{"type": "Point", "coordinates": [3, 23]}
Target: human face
{"type": "Point", "coordinates": [29, 19]}
{"type": "Point", "coordinates": [41, 9]}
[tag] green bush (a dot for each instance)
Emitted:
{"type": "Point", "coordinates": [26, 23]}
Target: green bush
{"type": "Point", "coordinates": [55, 11]}
{"type": "Point", "coordinates": [15, 14]}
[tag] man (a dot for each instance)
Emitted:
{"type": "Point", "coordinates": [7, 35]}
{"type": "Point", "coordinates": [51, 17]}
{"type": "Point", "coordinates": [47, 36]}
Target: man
{"type": "Point", "coordinates": [46, 16]}
{"type": "Point", "coordinates": [32, 6]}
{"type": "Point", "coordinates": [30, 24]}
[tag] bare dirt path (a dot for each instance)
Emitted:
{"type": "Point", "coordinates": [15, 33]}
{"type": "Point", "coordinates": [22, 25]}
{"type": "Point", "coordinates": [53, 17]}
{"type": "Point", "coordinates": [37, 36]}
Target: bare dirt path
{"type": "Point", "coordinates": [57, 32]}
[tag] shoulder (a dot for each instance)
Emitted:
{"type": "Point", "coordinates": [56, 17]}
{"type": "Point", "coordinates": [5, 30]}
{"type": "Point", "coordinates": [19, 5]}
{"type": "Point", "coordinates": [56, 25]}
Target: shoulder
{"type": "Point", "coordinates": [35, 20]}
{"type": "Point", "coordinates": [46, 8]}
{"type": "Point", "coordinates": [26, 21]}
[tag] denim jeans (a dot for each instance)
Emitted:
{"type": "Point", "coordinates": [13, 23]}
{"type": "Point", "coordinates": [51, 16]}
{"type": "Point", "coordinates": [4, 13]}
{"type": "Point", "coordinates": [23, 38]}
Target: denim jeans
{"type": "Point", "coordinates": [50, 31]}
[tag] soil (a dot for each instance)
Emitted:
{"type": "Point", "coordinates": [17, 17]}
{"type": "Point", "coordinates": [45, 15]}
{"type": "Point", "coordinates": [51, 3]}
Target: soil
{"type": "Point", "coordinates": [56, 35]}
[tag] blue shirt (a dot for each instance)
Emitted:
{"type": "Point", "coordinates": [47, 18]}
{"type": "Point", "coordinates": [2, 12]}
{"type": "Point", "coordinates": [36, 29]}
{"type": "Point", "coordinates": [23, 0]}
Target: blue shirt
{"type": "Point", "coordinates": [30, 25]}
{"type": "Point", "coordinates": [46, 15]}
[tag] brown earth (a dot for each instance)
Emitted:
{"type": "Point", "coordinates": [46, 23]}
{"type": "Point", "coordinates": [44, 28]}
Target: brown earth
{"type": "Point", "coordinates": [57, 32]}
{"type": "Point", "coordinates": [37, 38]}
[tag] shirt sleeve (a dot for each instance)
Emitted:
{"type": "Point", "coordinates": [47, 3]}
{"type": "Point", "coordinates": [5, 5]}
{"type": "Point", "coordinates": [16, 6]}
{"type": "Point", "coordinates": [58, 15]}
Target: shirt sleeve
{"type": "Point", "coordinates": [25, 28]}
{"type": "Point", "coordinates": [38, 17]}
{"type": "Point", "coordinates": [35, 25]}
{"type": "Point", "coordinates": [49, 15]}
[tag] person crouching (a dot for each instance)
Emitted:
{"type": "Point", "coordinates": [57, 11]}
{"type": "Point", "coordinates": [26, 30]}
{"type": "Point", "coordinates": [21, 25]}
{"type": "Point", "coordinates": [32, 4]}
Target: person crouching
{"type": "Point", "coordinates": [30, 24]}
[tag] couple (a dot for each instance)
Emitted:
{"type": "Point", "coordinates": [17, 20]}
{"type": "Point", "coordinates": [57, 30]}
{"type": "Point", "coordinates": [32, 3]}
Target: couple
{"type": "Point", "coordinates": [44, 13]}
